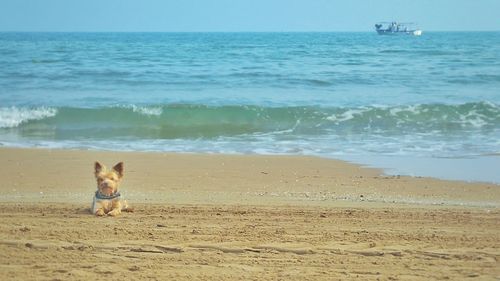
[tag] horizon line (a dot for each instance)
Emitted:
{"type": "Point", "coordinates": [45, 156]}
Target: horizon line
{"type": "Point", "coordinates": [221, 31]}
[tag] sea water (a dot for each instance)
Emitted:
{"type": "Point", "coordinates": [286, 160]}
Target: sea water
{"type": "Point", "coordinates": [424, 106]}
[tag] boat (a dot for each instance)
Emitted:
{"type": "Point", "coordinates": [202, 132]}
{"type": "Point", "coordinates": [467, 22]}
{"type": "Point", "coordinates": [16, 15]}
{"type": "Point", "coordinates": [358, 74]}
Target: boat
{"type": "Point", "coordinates": [397, 28]}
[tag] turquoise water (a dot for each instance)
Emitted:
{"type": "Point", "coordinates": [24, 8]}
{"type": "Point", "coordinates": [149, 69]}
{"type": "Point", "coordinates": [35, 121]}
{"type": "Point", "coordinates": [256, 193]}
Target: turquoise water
{"type": "Point", "coordinates": [344, 95]}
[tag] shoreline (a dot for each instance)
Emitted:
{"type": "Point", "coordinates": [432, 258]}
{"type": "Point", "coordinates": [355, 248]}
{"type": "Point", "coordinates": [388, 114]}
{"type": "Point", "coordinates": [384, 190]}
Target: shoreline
{"type": "Point", "coordinates": [477, 169]}
{"type": "Point", "coordinates": [471, 169]}
{"type": "Point", "coordinates": [34, 175]}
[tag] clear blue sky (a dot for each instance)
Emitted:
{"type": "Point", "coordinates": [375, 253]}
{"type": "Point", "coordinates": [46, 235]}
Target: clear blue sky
{"type": "Point", "coordinates": [244, 15]}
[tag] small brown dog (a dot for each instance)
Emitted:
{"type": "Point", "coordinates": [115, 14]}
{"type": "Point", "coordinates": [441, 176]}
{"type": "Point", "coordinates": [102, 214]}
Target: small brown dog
{"type": "Point", "coordinates": [107, 198]}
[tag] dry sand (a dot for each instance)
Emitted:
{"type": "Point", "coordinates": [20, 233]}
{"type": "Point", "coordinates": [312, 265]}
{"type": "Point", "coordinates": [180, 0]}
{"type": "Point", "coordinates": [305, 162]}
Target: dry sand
{"type": "Point", "coordinates": [221, 217]}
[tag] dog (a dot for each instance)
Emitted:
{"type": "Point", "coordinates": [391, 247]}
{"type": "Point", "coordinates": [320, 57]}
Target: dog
{"type": "Point", "coordinates": [107, 199]}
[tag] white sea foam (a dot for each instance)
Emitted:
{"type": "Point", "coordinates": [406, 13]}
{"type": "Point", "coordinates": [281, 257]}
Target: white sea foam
{"type": "Point", "coordinates": [149, 111]}
{"type": "Point", "coordinates": [11, 117]}
{"type": "Point", "coordinates": [474, 119]}
{"type": "Point", "coordinates": [347, 115]}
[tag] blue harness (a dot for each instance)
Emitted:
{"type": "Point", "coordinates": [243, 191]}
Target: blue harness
{"type": "Point", "coordinates": [99, 195]}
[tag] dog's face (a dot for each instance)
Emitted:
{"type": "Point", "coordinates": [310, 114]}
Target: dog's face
{"type": "Point", "coordinates": [108, 180]}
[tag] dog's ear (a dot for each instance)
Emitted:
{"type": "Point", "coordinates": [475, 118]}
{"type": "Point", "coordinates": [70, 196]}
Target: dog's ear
{"type": "Point", "coordinates": [119, 169]}
{"type": "Point", "coordinates": [98, 167]}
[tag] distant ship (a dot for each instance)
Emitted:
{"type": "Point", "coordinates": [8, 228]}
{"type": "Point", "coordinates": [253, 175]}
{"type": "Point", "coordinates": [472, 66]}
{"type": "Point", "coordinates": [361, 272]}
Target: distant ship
{"type": "Point", "coordinates": [397, 28]}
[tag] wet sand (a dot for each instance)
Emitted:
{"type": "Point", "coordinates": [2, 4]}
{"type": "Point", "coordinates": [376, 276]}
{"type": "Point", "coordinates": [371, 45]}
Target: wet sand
{"type": "Point", "coordinates": [222, 217]}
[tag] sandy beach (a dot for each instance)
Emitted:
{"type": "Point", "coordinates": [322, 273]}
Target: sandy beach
{"type": "Point", "coordinates": [225, 217]}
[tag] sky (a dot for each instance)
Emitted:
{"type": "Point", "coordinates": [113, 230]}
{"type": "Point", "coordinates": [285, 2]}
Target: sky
{"type": "Point", "coordinates": [244, 15]}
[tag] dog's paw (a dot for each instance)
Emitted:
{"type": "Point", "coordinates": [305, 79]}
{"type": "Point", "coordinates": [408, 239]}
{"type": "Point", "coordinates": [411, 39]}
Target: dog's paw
{"type": "Point", "coordinates": [114, 213]}
{"type": "Point", "coordinates": [99, 213]}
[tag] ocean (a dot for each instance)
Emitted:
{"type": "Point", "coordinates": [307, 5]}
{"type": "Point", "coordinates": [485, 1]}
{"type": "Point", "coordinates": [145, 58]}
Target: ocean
{"type": "Point", "coordinates": [421, 106]}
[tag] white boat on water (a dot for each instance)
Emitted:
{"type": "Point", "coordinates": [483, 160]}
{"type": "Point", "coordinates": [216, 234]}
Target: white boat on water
{"type": "Point", "coordinates": [397, 28]}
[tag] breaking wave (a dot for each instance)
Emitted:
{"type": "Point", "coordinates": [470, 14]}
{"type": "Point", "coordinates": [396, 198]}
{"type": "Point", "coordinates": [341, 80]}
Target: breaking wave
{"type": "Point", "coordinates": [14, 116]}
{"type": "Point", "coordinates": [202, 121]}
